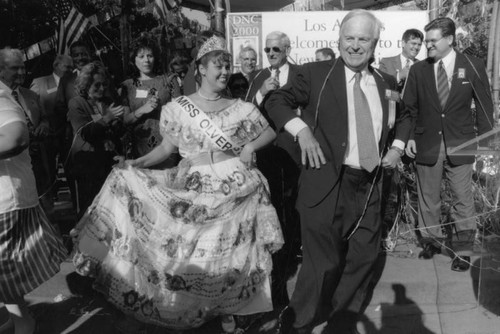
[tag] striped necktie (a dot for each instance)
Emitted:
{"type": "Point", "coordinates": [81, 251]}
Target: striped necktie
{"type": "Point", "coordinates": [367, 148]}
{"type": "Point", "coordinates": [442, 85]}
{"type": "Point", "coordinates": [29, 123]}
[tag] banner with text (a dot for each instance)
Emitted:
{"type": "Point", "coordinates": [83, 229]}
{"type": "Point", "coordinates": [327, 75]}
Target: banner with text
{"type": "Point", "coordinates": [309, 31]}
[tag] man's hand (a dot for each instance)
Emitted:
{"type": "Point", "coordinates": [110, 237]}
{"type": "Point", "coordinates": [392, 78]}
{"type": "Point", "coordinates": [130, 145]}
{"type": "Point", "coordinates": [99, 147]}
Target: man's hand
{"type": "Point", "coordinates": [411, 148]}
{"type": "Point", "coordinates": [311, 151]}
{"type": "Point", "coordinates": [403, 73]}
{"type": "Point", "coordinates": [268, 85]}
{"type": "Point", "coordinates": [41, 131]}
{"type": "Point", "coordinates": [391, 159]}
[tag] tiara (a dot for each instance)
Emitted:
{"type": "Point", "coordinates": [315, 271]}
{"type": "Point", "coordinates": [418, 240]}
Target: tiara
{"type": "Point", "coordinates": [214, 43]}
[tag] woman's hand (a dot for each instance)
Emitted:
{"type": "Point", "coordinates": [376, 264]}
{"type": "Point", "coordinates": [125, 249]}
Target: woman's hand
{"type": "Point", "coordinates": [248, 156]}
{"type": "Point", "coordinates": [113, 112]}
{"type": "Point", "coordinates": [122, 163]}
{"type": "Point", "coordinates": [152, 103]}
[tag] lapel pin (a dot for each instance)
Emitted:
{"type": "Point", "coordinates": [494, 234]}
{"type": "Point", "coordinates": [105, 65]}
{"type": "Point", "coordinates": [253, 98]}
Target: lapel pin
{"type": "Point", "coordinates": [461, 73]}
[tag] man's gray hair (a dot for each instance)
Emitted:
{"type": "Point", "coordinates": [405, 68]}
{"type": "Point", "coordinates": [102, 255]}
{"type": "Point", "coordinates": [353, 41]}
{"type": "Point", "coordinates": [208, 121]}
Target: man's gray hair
{"type": "Point", "coordinates": [378, 25]}
{"type": "Point", "coordinates": [60, 59]}
{"type": "Point", "coordinates": [247, 49]}
{"type": "Point", "coordinates": [279, 35]}
{"type": "Point", "coordinates": [7, 53]}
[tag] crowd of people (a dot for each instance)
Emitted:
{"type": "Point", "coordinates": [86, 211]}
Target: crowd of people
{"type": "Point", "coordinates": [198, 190]}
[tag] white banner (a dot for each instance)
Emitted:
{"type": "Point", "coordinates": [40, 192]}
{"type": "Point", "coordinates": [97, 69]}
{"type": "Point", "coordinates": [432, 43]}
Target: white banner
{"type": "Point", "coordinates": [309, 31]}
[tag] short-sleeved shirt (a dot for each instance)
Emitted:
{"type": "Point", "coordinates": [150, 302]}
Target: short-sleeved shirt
{"type": "Point", "coordinates": [17, 182]}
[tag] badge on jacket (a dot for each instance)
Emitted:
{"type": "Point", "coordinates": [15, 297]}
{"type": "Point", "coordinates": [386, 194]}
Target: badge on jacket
{"type": "Point", "coordinates": [392, 96]}
{"type": "Point", "coordinates": [461, 73]}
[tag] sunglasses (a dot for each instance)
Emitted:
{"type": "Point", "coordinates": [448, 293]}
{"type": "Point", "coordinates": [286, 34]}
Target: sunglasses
{"type": "Point", "coordinates": [274, 48]}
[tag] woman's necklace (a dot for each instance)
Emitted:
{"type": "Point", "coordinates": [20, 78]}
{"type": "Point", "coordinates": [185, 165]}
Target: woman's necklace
{"type": "Point", "coordinates": [208, 98]}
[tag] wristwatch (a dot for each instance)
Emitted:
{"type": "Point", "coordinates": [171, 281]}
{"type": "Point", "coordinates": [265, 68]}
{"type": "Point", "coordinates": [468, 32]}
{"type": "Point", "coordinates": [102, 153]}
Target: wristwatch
{"type": "Point", "coordinates": [397, 149]}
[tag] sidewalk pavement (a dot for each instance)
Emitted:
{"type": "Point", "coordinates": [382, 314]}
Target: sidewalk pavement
{"type": "Point", "coordinates": [410, 296]}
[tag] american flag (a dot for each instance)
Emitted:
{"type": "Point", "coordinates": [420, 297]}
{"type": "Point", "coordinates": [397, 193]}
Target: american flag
{"type": "Point", "coordinates": [63, 7]}
{"type": "Point", "coordinates": [70, 30]}
{"type": "Point", "coordinates": [160, 9]}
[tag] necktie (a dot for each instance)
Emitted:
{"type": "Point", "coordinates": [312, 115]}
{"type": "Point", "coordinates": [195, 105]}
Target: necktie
{"type": "Point", "coordinates": [367, 148]}
{"type": "Point", "coordinates": [28, 120]}
{"type": "Point", "coordinates": [442, 84]}
{"type": "Point", "coordinates": [407, 65]}
{"type": "Point", "coordinates": [277, 76]}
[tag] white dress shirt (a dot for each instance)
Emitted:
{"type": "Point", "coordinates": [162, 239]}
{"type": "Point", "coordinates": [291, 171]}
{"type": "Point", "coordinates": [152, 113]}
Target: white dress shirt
{"type": "Point", "coordinates": [449, 66]}
{"type": "Point", "coordinates": [369, 87]}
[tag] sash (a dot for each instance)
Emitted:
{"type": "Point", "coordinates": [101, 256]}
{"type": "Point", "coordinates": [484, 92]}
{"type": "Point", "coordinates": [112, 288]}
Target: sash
{"type": "Point", "coordinates": [197, 117]}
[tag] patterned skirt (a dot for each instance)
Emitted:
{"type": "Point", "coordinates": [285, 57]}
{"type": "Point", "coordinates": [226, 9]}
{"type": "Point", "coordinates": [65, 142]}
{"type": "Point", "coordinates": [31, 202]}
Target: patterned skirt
{"type": "Point", "coordinates": [30, 252]}
{"type": "Point", "coordinates": [178, 247]}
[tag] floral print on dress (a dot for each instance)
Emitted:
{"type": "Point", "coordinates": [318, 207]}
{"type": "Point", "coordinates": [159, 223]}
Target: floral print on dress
{"type": "Point", "coordinates": [188, 243]}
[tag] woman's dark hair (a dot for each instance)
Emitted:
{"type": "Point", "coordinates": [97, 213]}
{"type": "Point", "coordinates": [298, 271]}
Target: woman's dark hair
{"type": "Point", "coordinates": [86, 77]}
{"type": "Point", "coordinates": [180, 61]}
{"type": "Point", "coordinates": [144, 43]}
{"type": "Point", "coordinates": [218, 57]}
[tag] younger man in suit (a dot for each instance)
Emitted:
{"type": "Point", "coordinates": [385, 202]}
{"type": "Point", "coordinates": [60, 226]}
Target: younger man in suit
{"type": "Point", "coordinates": [398, 66]}
{"type": "Point", "coordinates": [438, 96]}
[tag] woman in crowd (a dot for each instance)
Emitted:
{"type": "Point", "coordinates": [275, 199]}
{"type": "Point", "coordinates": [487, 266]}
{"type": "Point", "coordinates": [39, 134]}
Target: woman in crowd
{"type": "Point", "coordinates": [144, 94]}
{"type": "Point", "coordinates": [97, 126]}
{"type": "Point", "coordinates": [180, 246]}
{"type": "Point", "coordinates": [30, 250]}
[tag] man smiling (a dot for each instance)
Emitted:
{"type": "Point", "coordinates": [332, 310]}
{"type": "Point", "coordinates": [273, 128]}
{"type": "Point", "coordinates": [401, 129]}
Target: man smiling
{"type": "Point", "coordinates": [438, 95]}
{"type": "Point", "coordinates": [344, 144]}
{"type": "Point", "coordinates": [398, 66]}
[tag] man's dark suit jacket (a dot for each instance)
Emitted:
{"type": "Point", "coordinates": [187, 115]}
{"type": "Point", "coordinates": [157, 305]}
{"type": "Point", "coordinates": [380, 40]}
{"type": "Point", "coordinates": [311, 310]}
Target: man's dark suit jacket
{"type": "Point", "coordinates": [329, 121]}
{"type": "Point", "coordinates": [284, 139]}
{"type": "Point", "coordinates": [455, 123]}
{"type": "Point", "coordinates": [391, 66]}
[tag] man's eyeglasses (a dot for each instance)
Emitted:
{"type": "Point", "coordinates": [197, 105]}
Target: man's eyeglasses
{"type": "Point", "coordinates": [433, 41]}
{"type": "Point", "coordinates": [274, 48]}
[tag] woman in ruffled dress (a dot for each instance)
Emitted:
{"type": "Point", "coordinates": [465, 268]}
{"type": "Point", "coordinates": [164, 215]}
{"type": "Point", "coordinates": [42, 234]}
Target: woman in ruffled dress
{"type": "Point", "coordinates": [180, 246]}
{"type": "Point", "coordinates": [144, 94]}
{"type": "Point", "coordinates": [30, 249]}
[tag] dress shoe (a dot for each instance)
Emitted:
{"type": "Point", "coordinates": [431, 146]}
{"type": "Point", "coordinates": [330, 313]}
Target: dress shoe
{"type": "Point", "coordinates": [428, 251]}
{"type": "Point", "coordinates": [460, 263]}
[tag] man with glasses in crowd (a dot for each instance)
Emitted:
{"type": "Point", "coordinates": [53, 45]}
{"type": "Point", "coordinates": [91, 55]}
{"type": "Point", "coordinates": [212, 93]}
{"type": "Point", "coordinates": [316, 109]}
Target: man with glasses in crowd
{"type": "Point", "coordinates": [280, 163]}
{"type": "Point", "coordinates": [438, 95]}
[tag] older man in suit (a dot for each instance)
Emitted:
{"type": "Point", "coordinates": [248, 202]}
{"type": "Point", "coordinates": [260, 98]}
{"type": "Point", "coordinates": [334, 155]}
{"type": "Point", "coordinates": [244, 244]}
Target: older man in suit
{"type": "Point", "coordinates": [343, 137]}
{"type": "Point", "coordinates": [12, 76]}
{"type": "Point", "coordinates": [280, 163]}
{"type": "Point", "coordinates": [398, 66]}
{"type": "Point", "coordinates": [438, 95]}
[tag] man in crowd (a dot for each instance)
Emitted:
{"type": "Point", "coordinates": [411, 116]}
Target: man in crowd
{"type": "Point", "coordinates": [280, 163]}
{"type": "Point", "coordinates": [46, 88]}
{"type": "Point", "coordinates": [343, 137]}
{"type": "Point", "coordinates": [398, 66]}
{"type": "Point", "coordinates": [81, 55]}
{"type": "Point", "coordinates": [324, 54]}
{"type": "Point", "coordinates": [438, 95]}
{"type": "Point", "coordinates": [239, 82]}
{"type": "Point", "coordinates": [12, 76]}
{"type": "Point", "coordinates": [248, 61]}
